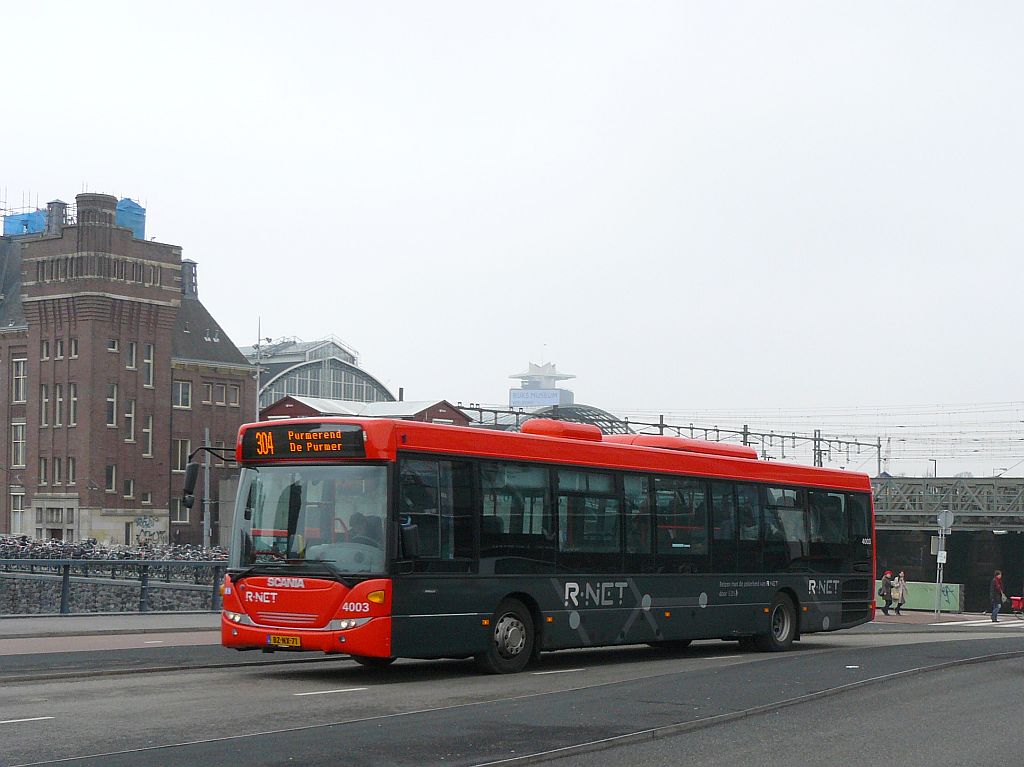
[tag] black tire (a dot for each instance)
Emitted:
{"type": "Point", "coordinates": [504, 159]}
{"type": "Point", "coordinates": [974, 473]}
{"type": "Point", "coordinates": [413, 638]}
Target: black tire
{"type": "Point", "coordinates": [671, 645]}
{"type": "Point", "coordinates": [371, 662]}
{"type": "Point", "coordinates": [512, 641]}
{"type": "Point", "coordinates": [781, 626]}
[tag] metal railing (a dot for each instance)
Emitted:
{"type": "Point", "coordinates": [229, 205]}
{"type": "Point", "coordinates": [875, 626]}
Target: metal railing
{"type": "Point", "coordinates": [145, 571]}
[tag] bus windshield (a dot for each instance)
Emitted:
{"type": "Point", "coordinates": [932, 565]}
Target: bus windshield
{"type": "Point", "coordinates": [288, 515]}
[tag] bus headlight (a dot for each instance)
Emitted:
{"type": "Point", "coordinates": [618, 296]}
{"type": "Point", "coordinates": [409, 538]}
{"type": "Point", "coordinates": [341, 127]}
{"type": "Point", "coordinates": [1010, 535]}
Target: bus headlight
{"type": "Point", "coordinates": [347, 623]}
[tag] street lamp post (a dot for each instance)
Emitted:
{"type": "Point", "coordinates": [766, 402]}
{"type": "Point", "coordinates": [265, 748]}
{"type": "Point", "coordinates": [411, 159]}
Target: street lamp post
{"type": "Point", "coordinates": [259, 350]}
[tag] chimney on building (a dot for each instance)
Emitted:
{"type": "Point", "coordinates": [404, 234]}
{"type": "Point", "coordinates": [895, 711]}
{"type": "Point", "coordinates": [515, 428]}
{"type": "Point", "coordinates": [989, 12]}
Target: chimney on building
{"type": "Point", "coordinates": [56, 216]}
{"type": "Point", "coordinates": [96, 208]}
{"type": "Point", "coordinates": [189, 280]}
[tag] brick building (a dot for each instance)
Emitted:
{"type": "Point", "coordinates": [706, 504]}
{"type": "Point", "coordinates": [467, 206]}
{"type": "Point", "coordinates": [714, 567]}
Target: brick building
{"type": "Point", "coordinates": [115, 371]}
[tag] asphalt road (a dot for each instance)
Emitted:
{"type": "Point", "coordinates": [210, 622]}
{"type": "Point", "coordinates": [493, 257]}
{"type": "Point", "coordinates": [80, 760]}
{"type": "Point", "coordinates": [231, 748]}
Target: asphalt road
{"type": "Point", "coordinates": [827, 701]}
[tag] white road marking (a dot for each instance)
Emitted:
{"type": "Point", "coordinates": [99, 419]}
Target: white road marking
{"type": "Point", "coordinates": [853, 666]}
{"type": "Point", "coordinates": [330, 692]}
{"type": "Point", "coordinates": [560, 671]}
{"type": "Point", "coordinates": [33, 719]}
{"type": "Point", "coordinates": [154, 641]}
{"type": "Point", "coordinates": [1016, 623]}
{"type": "Point", "coordinates": [724, 657]}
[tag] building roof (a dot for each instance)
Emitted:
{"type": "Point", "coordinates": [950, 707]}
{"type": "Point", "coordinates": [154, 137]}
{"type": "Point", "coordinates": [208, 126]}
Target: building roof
{"type": "Point", "coordinates": [509, 420]}
{"type": "Point", "coordinates": [403, 409]}
{"type": "Point", "coordinates": [197, 336]}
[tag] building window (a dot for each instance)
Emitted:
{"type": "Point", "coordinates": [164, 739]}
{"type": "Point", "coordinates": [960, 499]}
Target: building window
{"type": "Point", "coordinates": [181, 449]}
{"type": "Point", "coordinates": [19, 380]}
{"type": "Point", "coordinates": [130, 353]}
{"type": "Point", "coordinates": [44, 349]}
{"type": "Point", "coordinates": [54, 515]}
{"type": "Point", "coordinates": [129, 422]}
{"type": "Point", "coordinates": [72, 404]}
{"type": "Point", "coordinates": [71, 470]}
{"type": "Point", "coordinates": [57, 478]}
{"type": "Point", "coordinates": [17, 513]}
{"type": "Point", "coordinates": [207, 394]}
{"type": "Point", "coordinates": [111, 477]}
{"type": "Point", "coordinates": [73, 348]}
{"type": "Point", "coordinates": [58, 404]}
{"type": "Point", "coordinates": [234, 396]}
{"type": "Point", "coordinates": [44, 405]}
{"type": "Point", "coordinates": [147, 365]}
{"type": "Point", "coordinates": [146, 497]}
{"type": "Point", "coordinates": [112, 345]}
{"type": "Point", "coordinates": [181, 394]}
{"type": "Point", "coordinates": [147, 437]}
{"type": "Point", "coordinates": [129, 488]}
{"type": "Point", "coordinates": [18, 444]}
{"type": "Point", "coordinates": [179, 513]}
{"type": "Point", "coordinates": [221, 448]}
{"type": "Point", "coordinates": [220, 392]}
{"type": "Point", "coordinates": [42, 471]}
{"type": "Point", "coordinates": [112, 405]}
{"type": "Point", "coordinates": [58, 351]}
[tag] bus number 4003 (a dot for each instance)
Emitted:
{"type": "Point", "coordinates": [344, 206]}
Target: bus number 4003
{"type": "Point", "coordinates": [264, 443]}
{"type": "Point", "coordinates": [356, 607]}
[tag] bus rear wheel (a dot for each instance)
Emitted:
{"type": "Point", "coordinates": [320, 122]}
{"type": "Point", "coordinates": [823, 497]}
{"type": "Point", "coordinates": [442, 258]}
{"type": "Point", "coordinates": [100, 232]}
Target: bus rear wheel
{"type": "Point", "coordinates": [781, 626]}
{"type": "Point", "coordinates": [372, 662]}
{"type": "Point", "coordinates": [511, 645]}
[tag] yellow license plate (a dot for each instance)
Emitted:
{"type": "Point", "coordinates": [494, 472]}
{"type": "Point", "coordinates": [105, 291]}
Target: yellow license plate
{"type": "Point", "coordinates": [279, 640]}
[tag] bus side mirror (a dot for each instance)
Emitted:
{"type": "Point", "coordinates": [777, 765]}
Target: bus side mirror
{"type": "Point", "coordinates": [189, 493]}
{"type": "Point", "coordinates": [410, 541]}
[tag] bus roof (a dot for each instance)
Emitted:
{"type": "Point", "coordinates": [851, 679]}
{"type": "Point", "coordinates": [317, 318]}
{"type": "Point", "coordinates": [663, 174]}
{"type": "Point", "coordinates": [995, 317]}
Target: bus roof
{"type": "Point", "coordinates": [385, 438]}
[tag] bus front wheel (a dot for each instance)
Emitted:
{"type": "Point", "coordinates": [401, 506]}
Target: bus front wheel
{"type": "Point", "coordinates": [511, 644]}
{"type": "Point", "coordinates": [781, 626]}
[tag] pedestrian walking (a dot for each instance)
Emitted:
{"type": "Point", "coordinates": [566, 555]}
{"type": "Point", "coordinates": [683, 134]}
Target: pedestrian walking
{"type": "Point", "coordinates": [885, 591]}
{"type": "Point", "coordinates": [899, 591]}
{"type": "Point", "coordinates": [997, 595]}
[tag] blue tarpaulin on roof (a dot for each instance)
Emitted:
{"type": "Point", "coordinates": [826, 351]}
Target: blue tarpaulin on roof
{"type": "Point", "coordinates": [25, 223]}
{"type": "Point", "coordinates": [132, 215]}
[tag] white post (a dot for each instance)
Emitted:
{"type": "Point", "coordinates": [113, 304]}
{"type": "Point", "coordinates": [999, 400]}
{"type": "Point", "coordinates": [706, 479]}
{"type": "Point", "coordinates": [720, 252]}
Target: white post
{"type": "Point", "coordinates": [206, 489]}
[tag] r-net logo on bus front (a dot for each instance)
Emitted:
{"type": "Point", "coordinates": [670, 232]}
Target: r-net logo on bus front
{"type": "Point", "coordinates": [600, 594]}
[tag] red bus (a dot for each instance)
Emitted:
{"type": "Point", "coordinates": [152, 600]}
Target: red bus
{"type": "Point", "coordinates": [383, 539]}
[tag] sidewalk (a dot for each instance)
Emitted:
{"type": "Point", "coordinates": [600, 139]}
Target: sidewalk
{"type": "Point", "coordinates": [22, 626]}
{"type": "Point", "coordinates": [927, 617]}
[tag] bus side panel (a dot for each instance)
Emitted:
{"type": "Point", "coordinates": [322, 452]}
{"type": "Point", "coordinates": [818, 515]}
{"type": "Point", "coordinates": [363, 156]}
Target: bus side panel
{"type": "Point", "coordinates": [437, 616]}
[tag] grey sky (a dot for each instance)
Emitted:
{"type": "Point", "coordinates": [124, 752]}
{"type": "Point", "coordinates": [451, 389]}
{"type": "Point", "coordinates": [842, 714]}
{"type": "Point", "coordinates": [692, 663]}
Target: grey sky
{"type": "Point", "coordinates": [691, 206]}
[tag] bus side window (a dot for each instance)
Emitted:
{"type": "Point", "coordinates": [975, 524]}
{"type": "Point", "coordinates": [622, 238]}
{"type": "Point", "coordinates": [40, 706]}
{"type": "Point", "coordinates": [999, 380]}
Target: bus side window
{"type": "Point", "coordinates": [681, 541]}
{"type": "Point", "coordinates": [516, 523]}
{"type": "Point", "coordinates": [435, 497]}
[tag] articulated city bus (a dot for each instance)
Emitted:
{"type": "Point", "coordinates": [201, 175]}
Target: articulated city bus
{"type": "Point", "coordinates": [385, 539]}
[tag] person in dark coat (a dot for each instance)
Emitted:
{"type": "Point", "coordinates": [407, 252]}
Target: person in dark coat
{"type": "Point", "coordinates": [996, 594]}
{"type": "Point", "coordinates": [886, 591]}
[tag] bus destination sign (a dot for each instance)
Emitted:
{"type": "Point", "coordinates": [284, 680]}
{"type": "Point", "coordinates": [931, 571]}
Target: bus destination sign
{"type": "Point", "coordinates": [308, 440]}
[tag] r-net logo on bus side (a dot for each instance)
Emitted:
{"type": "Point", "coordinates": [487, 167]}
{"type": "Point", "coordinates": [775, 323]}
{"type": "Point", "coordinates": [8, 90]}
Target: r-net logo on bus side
{"type": "Point", "coordinates": [600, 594]}
{"type": "Point", "coordinates": [823, 587]}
